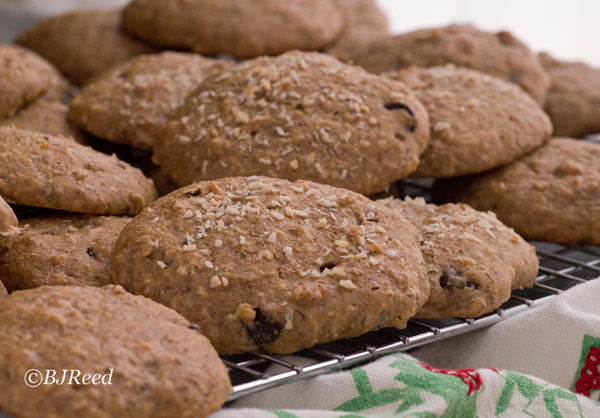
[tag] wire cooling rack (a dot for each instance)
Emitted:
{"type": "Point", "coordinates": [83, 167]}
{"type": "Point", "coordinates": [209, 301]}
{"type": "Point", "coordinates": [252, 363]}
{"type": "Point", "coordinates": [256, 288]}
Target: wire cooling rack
{"type": "Point", "coordinates": [560, 268]}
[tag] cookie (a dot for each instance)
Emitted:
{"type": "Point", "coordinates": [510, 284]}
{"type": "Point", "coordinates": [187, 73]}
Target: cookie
{"type": "Point", "coordinates": [8, 219]}
{"type": "Point", "coordinates": [552, 194]}
{"type": "Point", "coordinates": [498, 54]}
{"type": "Point", "coordinates": [297, 116]}
{"type": "Point", "coordinates": [24, 77]}
{"type": "Point", "coordinates": [83, 44]}
{"type": "Point", "coordinates": [472, 259]}
{"type": "Point", "coordinates": [130, 103]}
{"type": "Point", "coordinates": [238, 28]}
{"type": "Point", "coordinates": [45, 117]}
{"type": "Point", "coordinates": [57, 173]}
{"type": "Point", "coordinates": [270, 265]}
{"type": "Point", "coordinates": [151, 361]}
{"type": "Point", "coordinates": [65, 250]}
{"type": "Point", "coordinates": [573, 102]}
{"type": "Point", "coordinates": [365, 23]}
{"type": "Point", "coordinates": [477, 121]}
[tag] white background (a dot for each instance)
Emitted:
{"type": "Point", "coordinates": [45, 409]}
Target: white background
{"type": "Point", "coordinates": [568, 29]}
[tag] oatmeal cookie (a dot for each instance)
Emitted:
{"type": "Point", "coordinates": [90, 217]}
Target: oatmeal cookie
{"type": "Point", "coordinates": [472, 259]}
{"type": "Point", "coordinates": [270, 265]}
{"type": "Point", "coordinates": [297, 116]}
{"type": "Point", "coordinates": [157, 363]}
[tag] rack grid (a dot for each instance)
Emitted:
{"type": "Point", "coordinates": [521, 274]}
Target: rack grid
{"type": "Point", "coordinates": [561, 267]}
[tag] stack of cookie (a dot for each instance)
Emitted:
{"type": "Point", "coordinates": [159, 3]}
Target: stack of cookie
{"type": "Point", "coordinates": [263, 238]}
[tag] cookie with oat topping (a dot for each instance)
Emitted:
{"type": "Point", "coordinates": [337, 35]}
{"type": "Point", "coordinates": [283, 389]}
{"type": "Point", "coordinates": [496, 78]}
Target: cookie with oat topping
{"type": "Point", "coordinates": [552, 194]}
{"type": "Point", "coordinates": [238, 28]}
{"type": "Point", "coordinates": [477, 121]}
{"type": "Point", "coordinates": [58, 173]}
{"type": "Point", "coordinates": [62, 250]}
{"type": "Point", "coordinates": [573, 102]}
{"type": "Point", "coordinates": [83, 44]}
{"type": "Point", "coordinates": [498, 54]}
{"type": "Point", "coordinates": [297, 116]}
{"type": "Point", "coordinates": [151, 361]}
{"type": "Point", "coordinates": [472, 259]}
{"type": "Point", "coordinates": [8, 219]}
{"type": "Point", "coordinates": [270, 265]}
{"type": "Point", "coordinates": [25, 77]}
{"type": "Point", "coordinates": [365, 23]}
{"type": "Point", "coordinates": [45, 117]}
{"type": "Point", "coordinates": [131, 102]}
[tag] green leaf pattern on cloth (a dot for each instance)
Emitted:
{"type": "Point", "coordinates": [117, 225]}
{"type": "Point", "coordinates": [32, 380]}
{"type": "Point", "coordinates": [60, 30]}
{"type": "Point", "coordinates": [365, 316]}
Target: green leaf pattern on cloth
{"type": "Point", "coordinates": [398, 386]}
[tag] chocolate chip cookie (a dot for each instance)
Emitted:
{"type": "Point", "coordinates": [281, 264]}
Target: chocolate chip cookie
{"type": "Point", "coordinates": [364, 23]}
{"type": "Point", "coordinates": [65, 250]}
{"type": "Point", "coordinates": [45, 117]}
{"type": "Point", "coordinates": [130, 103]}
{"type": "Point", "coordinates": [57, 173]}
{"type": "Point", "coordinates": [498, 54]}
{"type": "Point", "coordinates": [8, 219]}
{"type": "Point", "coordinates": [573, 102]}
{"type": "Point", "coordinates": [24, 77]}
{"type": "Point", "coordinates": [472, 259]}
{"type": "Point", "coordinates": [552, 194]}
{"type": "Point", "coordinates": [297, 116]}
{"type": "Point", "coordinates": [477, 121]}
{"type": "Point", "coordinates": [270, 265]}
{"type": "Point", "coordinates": [149, 360]}
{"type": "Point", "coordinates": [83, 44]}
{"type": "Point", "coordinates": [239, 28]}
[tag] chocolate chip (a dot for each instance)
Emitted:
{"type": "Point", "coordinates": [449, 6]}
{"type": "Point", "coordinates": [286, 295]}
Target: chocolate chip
{"type": "Point", "coordinates": [396, 106]}
{"type": "Point", "coordinates": [196, 328]}
{"type": "Point", "coordinates": [91, 252]}
{"type": "Point", "coordinates": [264, 331]}
{"type": "Point", "coordinates": [194, 193]}
{"type": "Point", "coordinates": [327, 266]}
{"type": "Point", "coordinates": [454, 279]}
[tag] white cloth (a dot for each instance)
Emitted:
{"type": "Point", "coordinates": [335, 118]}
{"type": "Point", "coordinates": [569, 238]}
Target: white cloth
{"type": "Point", "coordinates": [551, 342]}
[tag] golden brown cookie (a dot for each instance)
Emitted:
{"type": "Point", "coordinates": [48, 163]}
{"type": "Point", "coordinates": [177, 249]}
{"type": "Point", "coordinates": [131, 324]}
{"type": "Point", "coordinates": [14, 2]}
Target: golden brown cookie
{"type": "Point", "coordinates": [270, 265]}
{"type": "Point", "coordinates": [63, 250]}
{"type": "Point", "coordinates": [131, 102]}
{"type": "Point", "coordinates": [498, 54]}
{"type": "Point", "coordinates": [83, 44]}
{"type": "Point", "coordinates": [24, 77]}
{"type": "Point", "coordinates": [552, 194]}
{"type": "Point", "coordinates": [364, 23]}
{"type": "Point", "coordinates": [477, 121]}
{"type": "Point", "coordinates": [153, 361]}
{"type": "Point", "coordinates": [297, 116]}
{"type": "Point", "coordinates": [573, 102]}
{"type": "Point", "coordinates": [8, 219]}
{"type": "Point", "coordinates": [57, 173]}
{"type": "Point", "coordinates": [45, 117]}
{"type": "Point", "coordinates": [239, 28]}
{"type": "Point", "coordinates": [472, 259]}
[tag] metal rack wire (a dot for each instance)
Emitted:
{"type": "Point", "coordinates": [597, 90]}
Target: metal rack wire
{"type": "Point", "coordinates": [560, 268]}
